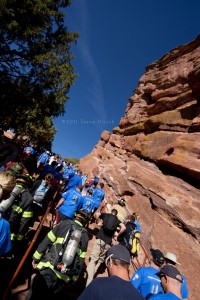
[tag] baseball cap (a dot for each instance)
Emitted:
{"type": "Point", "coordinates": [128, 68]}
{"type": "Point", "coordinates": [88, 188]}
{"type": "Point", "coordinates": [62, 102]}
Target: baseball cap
{"type": "Point", "coordinates": [172, 257]}
{"type": "Point", "coordinates": [158, 257]}
{"type": "Point", "coordinates": [119, 252]}
{"type": "Point", "coordinates": [170, 271]}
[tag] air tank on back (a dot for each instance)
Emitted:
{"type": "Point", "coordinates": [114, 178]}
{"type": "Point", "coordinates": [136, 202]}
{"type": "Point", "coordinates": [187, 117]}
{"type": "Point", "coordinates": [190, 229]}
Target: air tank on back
{"type": "Point", "coordinates": [70, 251]}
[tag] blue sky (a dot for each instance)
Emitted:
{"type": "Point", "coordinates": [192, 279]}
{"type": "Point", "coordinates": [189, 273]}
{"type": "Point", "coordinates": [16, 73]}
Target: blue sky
{"type": "Point", "coordinates": [118, 39]}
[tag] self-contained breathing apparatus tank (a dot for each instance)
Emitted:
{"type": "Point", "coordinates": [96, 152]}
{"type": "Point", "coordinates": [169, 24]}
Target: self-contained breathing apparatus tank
{"type": "Point", "coordinates": [70, 251]}
{"type": "Point", "coordinates": [5, 204]}
{"type": "Point", "coordinates": [23, 181]}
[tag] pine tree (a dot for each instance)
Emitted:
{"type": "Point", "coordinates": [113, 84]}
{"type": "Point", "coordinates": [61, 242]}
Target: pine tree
{"type": "Point", "coordinates": [35, 65]}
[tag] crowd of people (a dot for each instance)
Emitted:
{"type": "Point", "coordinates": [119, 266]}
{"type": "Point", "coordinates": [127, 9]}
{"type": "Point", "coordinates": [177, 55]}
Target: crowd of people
{"type": "Point", "coordinates": [27, 186]}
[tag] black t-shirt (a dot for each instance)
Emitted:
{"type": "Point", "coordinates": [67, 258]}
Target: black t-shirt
{"type": "Point", "coordinates": [102, 234]}
{"type": "Point", "coordinates": [110, 288]}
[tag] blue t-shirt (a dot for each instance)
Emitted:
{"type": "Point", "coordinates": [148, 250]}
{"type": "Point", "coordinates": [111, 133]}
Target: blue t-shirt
{"type": "Point", "coordinates": [74, 181]}
{"type": "Point", "coordinates": [68, 172]}
{"type": "Point", "coordinates": [167, 296]}
{"type": "Point", "coordinates": [44, 157]}
{"type": "Point", "coordinates": [89, 203]}
{"type": "Point", "coordinates": [110, 288]}
{"type": "Point", "coordinates": [84, 179]}
{"type": "Point", "coordinates": [146, 281]}
{"type": "Point", "coordinates": [72, 203]}
{"type": "Point", "coordinates": [98, 195]}
{"type": "Point", "coordinates": [5, 237]}
{"type": "Point", "coordinates": [184, 288]}
{"type": "Point", "coordinates": [138, 226]}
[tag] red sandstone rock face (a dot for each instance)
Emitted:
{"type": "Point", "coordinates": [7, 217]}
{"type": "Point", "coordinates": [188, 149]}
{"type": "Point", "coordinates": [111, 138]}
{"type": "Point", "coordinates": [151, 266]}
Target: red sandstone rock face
{"type": "Point", "coordinates": [152, 158]}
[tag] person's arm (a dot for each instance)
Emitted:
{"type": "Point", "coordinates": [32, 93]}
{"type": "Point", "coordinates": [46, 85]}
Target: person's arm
{"type": "Point", "coordinates": [97, 216]}
{"type": "Point", "coordinates": [47, 242]}
{"type": "Point", "coordinates": [80, 203]}
{"type": "Point", "coordinates": [136, 279]}
{"type": "Point", "coordinates": [60, 202]}
{"type": "Point", "coordinates": [38, 160]}
{"type": "Point", "coordinates": [103, 195]}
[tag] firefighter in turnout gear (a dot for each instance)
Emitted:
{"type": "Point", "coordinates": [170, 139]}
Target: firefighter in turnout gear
{"type": "Point", "coordinates": [22, 209]}
{"type": "Point", "coordinates": [59, 258]}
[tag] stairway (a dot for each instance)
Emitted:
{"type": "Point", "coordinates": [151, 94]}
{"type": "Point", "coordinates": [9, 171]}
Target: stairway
{"type": "Point", "coordinates": [21, 285]}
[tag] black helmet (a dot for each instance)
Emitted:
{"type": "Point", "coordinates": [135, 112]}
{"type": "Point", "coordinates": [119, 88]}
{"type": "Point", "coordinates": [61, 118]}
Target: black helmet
{"type": "Point", "coordinates": [122, 202]}
{"type": "Point", "coordinates": [25, 180]}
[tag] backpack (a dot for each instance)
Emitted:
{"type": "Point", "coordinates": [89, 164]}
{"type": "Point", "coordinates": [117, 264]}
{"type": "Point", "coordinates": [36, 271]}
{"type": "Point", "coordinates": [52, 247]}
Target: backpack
{"type": "Point", "coordinates": [40, 193]}
{"type": "Point", "coordinates": [110, 224]}
{"type": "Point", "coordinates": [133, 242]}
{"type": "Point", "coordinates": [39, 196]}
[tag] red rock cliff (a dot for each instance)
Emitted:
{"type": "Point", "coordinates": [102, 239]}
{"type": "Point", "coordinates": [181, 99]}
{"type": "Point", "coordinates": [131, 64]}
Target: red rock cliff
{"type": "Point", "coordinates": [153, 157]}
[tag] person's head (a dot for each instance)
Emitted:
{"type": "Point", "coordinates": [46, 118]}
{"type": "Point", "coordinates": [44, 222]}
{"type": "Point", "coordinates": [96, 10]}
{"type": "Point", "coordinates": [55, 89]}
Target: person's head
{"type": "Point", "coordinates": [157, 257]}
{"type": "Point", "coordinates": [114, 212]}
{"type": "Point", "coordinates": [30, 163]}
{"type": "Point", "coordinates": [170, 258]}
{"type": "Point", "coordinates": [15, 168]}
{"type": "Point", "coordinates": [81, 217]}
{"type": "Point", "coordinates": [136, 216]}
{"type": "Point", "coordinates": [48, 178]}
{"type": "Point", "coordinates": [117, 260]}
{"type": "Point", "coordinates": [101, 184]}
{"type": "Point", "coordinates": [94, 184]}
{"type": "Point", "coordinates": [122, 202]}
{"type": "Point", "coordinates": [7, 184]}
{"type": "Point", "coordinates": [90, 191]}
{"type": "Point", "coordinates": [79, 188]}
{"type": "Point", "coordinates": [130, 218]}
{"type": "Point", "coordinates": [28, 151]}
{"type": "Point", "coordinates": [59, 168]}
{"type": "Point", "coordinates": [54, 163]}
{"type": "Point", "coordinates": [25, 140]}
{"type": "Point", "coordinates": [171, 279]}
{"type": "Point", "coordinates": [25, 180]}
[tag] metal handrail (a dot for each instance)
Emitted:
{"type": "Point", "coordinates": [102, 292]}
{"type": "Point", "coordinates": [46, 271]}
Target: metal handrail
{"type": "Point", "coordinates": [29, 247]}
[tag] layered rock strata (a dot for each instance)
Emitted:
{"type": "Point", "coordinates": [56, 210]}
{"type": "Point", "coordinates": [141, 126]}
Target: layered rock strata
{"type": "Point", "coordinates": [152, 158]}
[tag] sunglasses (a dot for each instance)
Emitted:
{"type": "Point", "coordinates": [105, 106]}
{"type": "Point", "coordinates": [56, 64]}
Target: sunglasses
{"type": "Point", "coordinates": [107, 259]}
